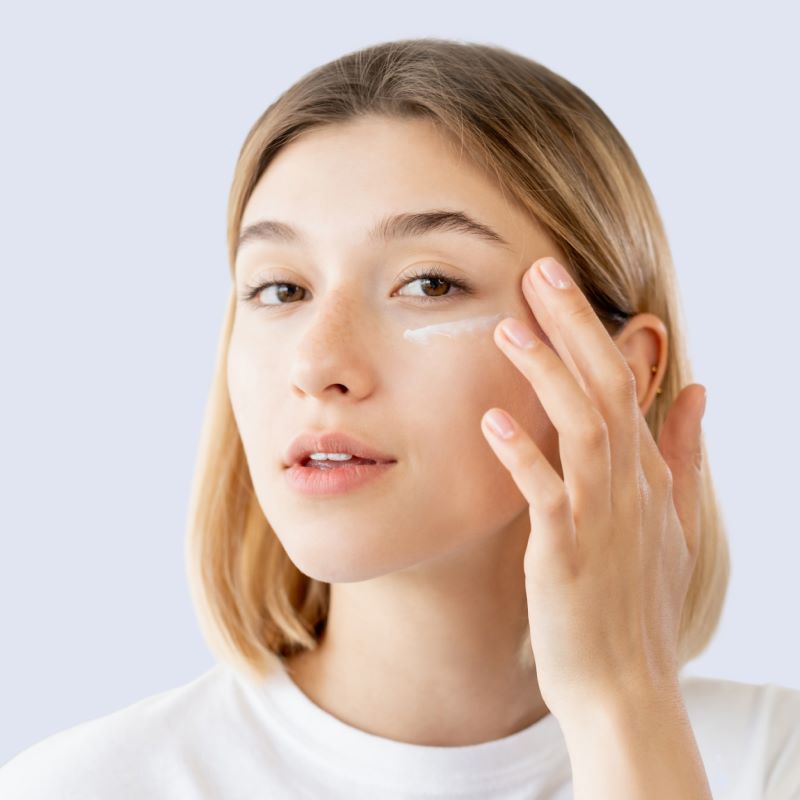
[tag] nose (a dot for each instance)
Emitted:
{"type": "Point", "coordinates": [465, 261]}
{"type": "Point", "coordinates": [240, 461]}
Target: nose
{"type": "Point", "coordinates": [333, 352]}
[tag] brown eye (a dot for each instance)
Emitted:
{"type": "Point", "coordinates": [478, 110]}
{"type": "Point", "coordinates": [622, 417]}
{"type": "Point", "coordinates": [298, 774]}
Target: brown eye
{"type": "Point", "coordinates": [284, 296]}
{"type": "Point", "coordinates": [438, 288]}
{"type": "Point", "coordinates": [439, 283]}
{"type": "Point", "coordinates": [281, 290]}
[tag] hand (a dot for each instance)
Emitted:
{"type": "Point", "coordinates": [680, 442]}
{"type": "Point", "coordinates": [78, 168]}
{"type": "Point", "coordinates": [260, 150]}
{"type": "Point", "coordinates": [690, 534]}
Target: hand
{"type": "Point", "coordinates": [612, 545]}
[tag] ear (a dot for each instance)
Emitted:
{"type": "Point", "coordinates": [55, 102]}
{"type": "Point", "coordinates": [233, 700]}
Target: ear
{"type": "Point", "coordinates": [644, 342]}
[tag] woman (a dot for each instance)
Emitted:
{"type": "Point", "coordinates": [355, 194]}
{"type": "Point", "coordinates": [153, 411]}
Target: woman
{"type": "Point", "coordinates": [410, 594]}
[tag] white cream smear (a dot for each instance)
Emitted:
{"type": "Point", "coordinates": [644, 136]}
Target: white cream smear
{"type": "Point", "coordinates": [452, 329]}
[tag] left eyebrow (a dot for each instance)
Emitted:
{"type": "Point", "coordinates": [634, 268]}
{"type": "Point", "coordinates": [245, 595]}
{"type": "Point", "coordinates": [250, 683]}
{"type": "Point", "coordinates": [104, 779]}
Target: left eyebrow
{"type": "Point", "coordinates": [395, 226]}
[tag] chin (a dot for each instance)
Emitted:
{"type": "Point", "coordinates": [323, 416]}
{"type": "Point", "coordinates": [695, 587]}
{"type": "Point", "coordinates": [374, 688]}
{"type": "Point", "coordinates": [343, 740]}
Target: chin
{"type": "Point", "coordinates": [336, 573]}
{"type": "Point", "coordinates": [346, 558]}
{"type": "Point", "coordinates": [332, 563]}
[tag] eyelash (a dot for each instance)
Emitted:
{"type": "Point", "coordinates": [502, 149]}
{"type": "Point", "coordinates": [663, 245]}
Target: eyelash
{"type": "Point", "coordinates": [435, 273]}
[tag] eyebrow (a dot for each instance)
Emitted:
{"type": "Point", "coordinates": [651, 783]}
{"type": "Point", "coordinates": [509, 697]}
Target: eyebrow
{"type": "Point", "coordinates": [395, 226]}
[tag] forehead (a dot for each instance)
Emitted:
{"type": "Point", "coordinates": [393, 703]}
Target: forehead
{"type": "Point", "coordinates": [340, 179]}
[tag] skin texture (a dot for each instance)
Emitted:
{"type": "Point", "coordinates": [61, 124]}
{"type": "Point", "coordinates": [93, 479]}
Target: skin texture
{"type": "Point", "coordinates": [614, 541]}
{"type": "Point", "coordinates": [428, 595]}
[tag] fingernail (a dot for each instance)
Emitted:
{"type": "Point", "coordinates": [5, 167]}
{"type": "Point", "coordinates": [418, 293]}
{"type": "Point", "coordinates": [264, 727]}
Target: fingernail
{"type": "Point", "coordinates": [517, 333]}
{"type": "Point", "coordinates": [499, 424]}
{"type": "Point", "coordinates": [554, 273]}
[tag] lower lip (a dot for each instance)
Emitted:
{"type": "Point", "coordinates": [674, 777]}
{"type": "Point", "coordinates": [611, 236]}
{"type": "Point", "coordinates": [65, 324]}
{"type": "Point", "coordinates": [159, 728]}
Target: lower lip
{"type": "Point", "coordinates": [315, 481]}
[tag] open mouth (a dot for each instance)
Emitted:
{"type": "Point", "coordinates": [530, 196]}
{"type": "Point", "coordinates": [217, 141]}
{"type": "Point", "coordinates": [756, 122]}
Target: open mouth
{"type": "Point", "coordinates": [326, 464]}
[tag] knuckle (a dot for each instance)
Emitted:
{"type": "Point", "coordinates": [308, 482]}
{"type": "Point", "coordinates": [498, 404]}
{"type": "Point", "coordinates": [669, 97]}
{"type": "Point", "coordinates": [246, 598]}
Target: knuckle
{"type": "Point", "coordinates": [665, 481]}
{"type": "Point", "coordinates": [624, 382]}
{"type": "Point", "coordinates": [594, 432]}
{"type": "Point", "coordinates": [528, 458]}
{"type": "Point", "coordinates": [581, 311]}
{"type": "Point", "coordinates": [550, 367]}
{"type": "Point", "coordinates": [524, 457]}
{"type": "Point", "coordinates": [554, 504]}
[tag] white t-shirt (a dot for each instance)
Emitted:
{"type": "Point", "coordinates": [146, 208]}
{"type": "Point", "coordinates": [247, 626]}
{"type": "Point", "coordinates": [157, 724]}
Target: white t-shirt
{"type": "Point", "coordinates": [223, 736]}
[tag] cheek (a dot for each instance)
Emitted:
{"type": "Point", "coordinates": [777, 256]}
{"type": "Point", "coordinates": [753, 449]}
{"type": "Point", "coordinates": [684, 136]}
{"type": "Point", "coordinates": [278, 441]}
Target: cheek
{"type": "Point", "coordinates": [451, 384]}
{"type": "Point", "coordinates": [446, 390]}
{"type": "Point", "coordinates": [244, 381]}
{"type": "Point", "coordinates": [255, 406]}
{"type": "Point", "coordinates": [455, 382]}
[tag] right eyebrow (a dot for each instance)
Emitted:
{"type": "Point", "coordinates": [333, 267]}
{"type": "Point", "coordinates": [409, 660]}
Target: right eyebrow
{"type": "Point", "coordinates": [395, 226]}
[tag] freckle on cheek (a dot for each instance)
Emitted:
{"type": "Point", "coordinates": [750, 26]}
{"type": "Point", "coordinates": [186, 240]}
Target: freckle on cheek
{"type": "Point", "coordinates": [451, 330]}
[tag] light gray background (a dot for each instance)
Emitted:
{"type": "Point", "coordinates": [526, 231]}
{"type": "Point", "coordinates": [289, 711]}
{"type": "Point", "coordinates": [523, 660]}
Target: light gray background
{"type": "Point", "coordinates": [121, 129]}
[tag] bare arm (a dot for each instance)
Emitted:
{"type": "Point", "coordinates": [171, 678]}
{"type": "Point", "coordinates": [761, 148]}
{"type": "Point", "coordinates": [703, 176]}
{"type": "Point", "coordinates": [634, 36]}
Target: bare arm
{"type": "Point", "coordinates": [636, 747]}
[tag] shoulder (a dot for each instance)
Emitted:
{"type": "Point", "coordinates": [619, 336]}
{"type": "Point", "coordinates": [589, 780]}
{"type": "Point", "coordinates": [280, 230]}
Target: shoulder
{"type": "Point", "coordinates": [138, 751]}
{"type": "Point", "coordinates": [748, 733]}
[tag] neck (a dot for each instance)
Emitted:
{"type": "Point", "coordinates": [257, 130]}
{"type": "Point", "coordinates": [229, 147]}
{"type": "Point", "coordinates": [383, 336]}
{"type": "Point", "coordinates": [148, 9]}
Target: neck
{"type": "Point", "coordinates": [430, 655]}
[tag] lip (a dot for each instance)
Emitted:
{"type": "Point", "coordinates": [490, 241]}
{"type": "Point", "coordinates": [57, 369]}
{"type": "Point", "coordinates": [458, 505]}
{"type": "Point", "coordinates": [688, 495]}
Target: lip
{"type": "Point", "coordinates": [331, 442]}
{"type": "Point", "coordinates": [337, 480]}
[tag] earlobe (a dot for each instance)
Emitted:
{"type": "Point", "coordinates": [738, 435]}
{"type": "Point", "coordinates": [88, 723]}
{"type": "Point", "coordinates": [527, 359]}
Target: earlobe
{"type": "Point", "coordinates": [644, 343]}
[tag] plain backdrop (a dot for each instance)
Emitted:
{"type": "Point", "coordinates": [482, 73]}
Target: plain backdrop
{"type": "Point", "coordinates": [121, 127]}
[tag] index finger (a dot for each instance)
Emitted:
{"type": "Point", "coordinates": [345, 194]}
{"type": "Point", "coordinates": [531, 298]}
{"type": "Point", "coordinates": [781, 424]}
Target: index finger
{"type": "Point", "coordinates": [576, 331]}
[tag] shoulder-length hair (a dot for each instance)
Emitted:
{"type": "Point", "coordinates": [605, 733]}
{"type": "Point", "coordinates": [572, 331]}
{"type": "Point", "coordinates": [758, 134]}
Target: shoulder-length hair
{"type": "Point", "coordinates": [554, 152]}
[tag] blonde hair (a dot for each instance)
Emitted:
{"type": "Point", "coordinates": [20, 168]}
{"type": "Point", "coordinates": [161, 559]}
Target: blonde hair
{"type": "Point", "coordinates": [558, 156]}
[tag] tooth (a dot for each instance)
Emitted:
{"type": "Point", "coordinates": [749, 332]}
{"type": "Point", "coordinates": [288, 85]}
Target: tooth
{"type": "Point", "coordinates": [330, 456]}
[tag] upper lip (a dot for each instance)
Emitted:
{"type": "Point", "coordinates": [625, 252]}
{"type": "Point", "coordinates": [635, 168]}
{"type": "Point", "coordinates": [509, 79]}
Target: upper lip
{"type": "Point", "coordinates": [331, 442]}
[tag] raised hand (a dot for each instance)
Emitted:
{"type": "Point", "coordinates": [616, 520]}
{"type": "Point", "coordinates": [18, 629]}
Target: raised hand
{"type": "Point", "coordinates": [612, 545]}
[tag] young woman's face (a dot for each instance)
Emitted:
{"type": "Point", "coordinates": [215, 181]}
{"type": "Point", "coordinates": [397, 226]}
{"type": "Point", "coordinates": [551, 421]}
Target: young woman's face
{"type": "Point", "coordinates": [328, 350]}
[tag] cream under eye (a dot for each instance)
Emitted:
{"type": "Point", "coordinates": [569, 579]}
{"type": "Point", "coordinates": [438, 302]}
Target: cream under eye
{"type": "Point", "coordinates": [434, 275]}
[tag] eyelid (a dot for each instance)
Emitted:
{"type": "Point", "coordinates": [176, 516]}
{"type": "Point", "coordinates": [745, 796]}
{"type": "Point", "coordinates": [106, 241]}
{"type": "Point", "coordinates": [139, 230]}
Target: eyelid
{"type": "Point", "coordinates": [434, 271]}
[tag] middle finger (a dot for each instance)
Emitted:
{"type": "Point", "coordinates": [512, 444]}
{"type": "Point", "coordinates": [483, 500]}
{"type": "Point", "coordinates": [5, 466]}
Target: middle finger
{"type": "Point", "coordinates": [582, 432]}
{"type": "Point", "coordinates": [576, 331]}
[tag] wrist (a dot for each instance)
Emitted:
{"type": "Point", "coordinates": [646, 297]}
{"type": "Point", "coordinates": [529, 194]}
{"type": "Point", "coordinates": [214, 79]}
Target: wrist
{"type": "Point", "coordinates": [627, 702]}
{"type": "Point", "coordinates": [636, 742]}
